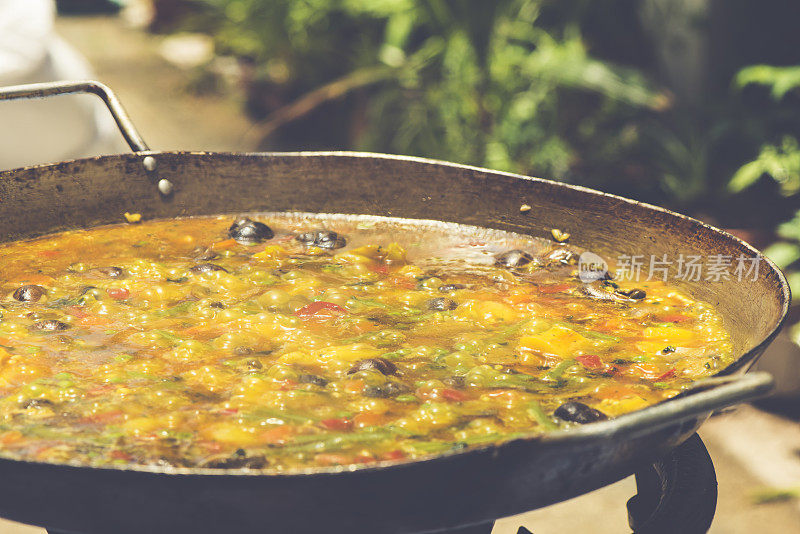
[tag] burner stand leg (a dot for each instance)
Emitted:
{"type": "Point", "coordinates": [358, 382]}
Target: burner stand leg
{"type": "Point", "coordinates": [676, 494]}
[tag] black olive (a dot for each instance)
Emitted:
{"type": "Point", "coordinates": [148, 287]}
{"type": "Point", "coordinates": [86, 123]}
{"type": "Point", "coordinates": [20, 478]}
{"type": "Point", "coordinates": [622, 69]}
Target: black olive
{"type": "Point", "coordinates": [455, 382]}
{"type": "Point", "coordinates": [242, 351]}
{"type": "Point", "coordinates": [513, 258]}
{"type": "Point", "coordinates": [205, 254]}
{"type": "Point", "coordinates": [312, 379]}
{"type": "Point", "coordinates": [204, 268]}
{"type": "Point", "coordinates": [198, 395]}
{"type": "Point", "coordinates": [29, 293]}
{"type": "Point", "coordinates": [602, 292]}
{"type": "Point", "coordinates": [249, 232]}
{"type": "Point", "coordinates": [381, 365]}
{"type": "Point", "coordinates": [217, 305]}
{"type": "Point", "coordinates": [442, 304]}
{"type": "Point", "coordinates": [447, 288]}
{"type": "Point", "coordinates": [577, 412]}
{"type": "Point", "coordinates": [635, 294]}
{"type": "Point", "coordinates": [254, 364]}
{"type": "Point", "coordinates": [322, 239]}
{"type": "Point", "coordinates": [36, 403]}
{"type": "Point", "coordinates": [385, 391]}
{"type": "Point", "coordinates": [90, 292]}
{"type": "Point", "coordinates": [395, 388]}
{"type": "Point", "coordinates": [562, 255]}
{"type": "Point", "coordinates": [237, 460]}
{"type": "Point", "coordinates": [375, 392]}
{"type": "Point", "coordinates": [668, 349]}
{"type": "Point", "coordinates": [164, 461]}
{"type": "Point", "coordinates": [50, 325]}
{"type": "Point", "coordinates": [111, 272]}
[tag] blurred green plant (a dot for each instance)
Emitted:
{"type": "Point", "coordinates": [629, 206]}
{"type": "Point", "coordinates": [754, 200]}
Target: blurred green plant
{"type": "Point", "coordinates": [466, 80]}
{"type": "Point", "coordinates": [781, 163]}
{"type": "Point", "coordinates": [780, 80]}
{"type": "Point", "coordinates": [786, 252]}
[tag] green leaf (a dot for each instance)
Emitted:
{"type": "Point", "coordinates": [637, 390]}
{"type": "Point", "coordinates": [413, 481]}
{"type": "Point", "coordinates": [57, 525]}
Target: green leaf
{"type": "Point", "coordinates": [794, 333]}
{"type": "Point", "coordinates": [747, 175]}
{"type": "Point", "coordinates": [781, 163]}
{"type": "Point", "coordinates": [793, 279]}
{"type": "Point", "coordinates": [791, 229]}
{"type": "Point", "coordinates": [780, 80]}
{"type": "Point", "coordinates": [783, 253]}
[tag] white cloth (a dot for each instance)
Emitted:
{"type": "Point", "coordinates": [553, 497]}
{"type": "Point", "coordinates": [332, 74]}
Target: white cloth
{"type": "Point", "coordinates": [53, 129]}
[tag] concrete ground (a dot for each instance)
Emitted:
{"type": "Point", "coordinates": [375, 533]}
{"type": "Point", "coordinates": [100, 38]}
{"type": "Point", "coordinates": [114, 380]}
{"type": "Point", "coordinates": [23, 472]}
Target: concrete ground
{"type": "Point", "coordinates": [752, 450]}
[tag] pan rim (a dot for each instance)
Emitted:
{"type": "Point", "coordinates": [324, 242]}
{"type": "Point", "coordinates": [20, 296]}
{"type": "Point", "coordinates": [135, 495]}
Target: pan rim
{"type": "Point", "coordinates": [586, 434]}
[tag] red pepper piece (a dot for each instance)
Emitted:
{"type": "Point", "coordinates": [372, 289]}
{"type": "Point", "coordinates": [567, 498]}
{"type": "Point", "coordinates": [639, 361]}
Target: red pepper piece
{"type": "Point", "coordinates": [675, 318]}
{"type": "Point", "coordinates": [379, 268]}
{"type": "Point", "coordinates": [77, 312]}
{"type": "Point", "coordinates": [340, 424]}
{"type": "Point", "coordinates": [401, 281]}
{"type": "Point", "coordinates": [287, 385]}
{"type": "Point", "coordinates": [666, 376]}
{"type": "Point", "coordinates": [394, 455]}
{"type": "Point", "coordinates": [121, 455]}
{"type": "Point", "coordinates": [320, 308]}
{"type": "Point", "coordinates": [453, 395]}
{"type": "Point", "coordinates": [332, 458]}
{"type": "Point", "coordinates": [103, 418]}
{"type": "Point", "coordinates": [554, 288]}
{"type": "Point", "coordinates": [590, 361]}
{"type": "Point", "coordinates": [118, 294]}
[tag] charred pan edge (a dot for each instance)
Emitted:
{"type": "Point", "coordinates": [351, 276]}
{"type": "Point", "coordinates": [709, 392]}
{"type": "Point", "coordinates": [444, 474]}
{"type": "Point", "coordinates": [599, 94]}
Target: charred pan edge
{"type": "Point", "coordinates": [603, 430]}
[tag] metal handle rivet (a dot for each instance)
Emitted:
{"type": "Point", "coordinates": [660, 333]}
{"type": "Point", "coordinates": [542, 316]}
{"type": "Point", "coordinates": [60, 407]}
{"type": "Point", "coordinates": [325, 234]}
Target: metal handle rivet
{"type": "Point", "coordinates": [149, 163]}
{"type": "Point", "coordinates": [165, 186]}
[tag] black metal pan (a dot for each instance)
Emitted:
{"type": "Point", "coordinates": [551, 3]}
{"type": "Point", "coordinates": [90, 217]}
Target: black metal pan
{"type": "Point", "coordinates": [395, 497]}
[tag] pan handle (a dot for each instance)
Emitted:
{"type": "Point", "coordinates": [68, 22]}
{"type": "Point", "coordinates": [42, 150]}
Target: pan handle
{"type": "Point", "coordinates": [703, 398]}
{"type": "Point", "coordinates": [40, 90]}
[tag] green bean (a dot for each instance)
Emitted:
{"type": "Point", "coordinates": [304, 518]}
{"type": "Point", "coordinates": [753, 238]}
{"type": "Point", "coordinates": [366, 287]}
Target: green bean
{"type": "Point", "coordinates": [588, 333]}
{"type": "Point", "coordinates": [262, 414]}
{"type": "Point", "coordinates": [556, 372]}
{"type": "Point", "coordinates": [169, 336]}
{"type": "Point", "coordinates": [333, 442]}
{"type": "Point", "coordinates": [175, 310]}
{"type": "Point", "coordinates": [536, 412]}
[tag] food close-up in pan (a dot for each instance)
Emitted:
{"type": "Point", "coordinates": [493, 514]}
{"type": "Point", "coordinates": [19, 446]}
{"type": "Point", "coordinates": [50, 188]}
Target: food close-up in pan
{"type": "Point", "coordinates": [271, 343]}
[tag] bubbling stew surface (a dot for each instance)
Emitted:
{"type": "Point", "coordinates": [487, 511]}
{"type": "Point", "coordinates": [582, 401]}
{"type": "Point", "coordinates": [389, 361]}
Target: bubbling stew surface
{"type": "Point", "coordinates": [284, 341]}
